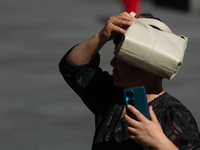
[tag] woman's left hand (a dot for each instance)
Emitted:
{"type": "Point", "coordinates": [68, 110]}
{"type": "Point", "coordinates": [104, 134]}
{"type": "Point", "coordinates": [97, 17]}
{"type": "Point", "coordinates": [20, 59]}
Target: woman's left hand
{"type": "Point", "coordinates": [148, 132]}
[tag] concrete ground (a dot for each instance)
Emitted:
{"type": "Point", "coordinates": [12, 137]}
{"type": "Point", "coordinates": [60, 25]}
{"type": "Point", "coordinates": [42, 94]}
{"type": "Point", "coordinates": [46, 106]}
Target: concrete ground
{"type": "Point", "coordinates": [38, 111]}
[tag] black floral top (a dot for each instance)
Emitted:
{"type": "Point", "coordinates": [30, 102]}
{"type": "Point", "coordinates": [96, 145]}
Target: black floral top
{"type": "Point", "coordinates": [96, 89]}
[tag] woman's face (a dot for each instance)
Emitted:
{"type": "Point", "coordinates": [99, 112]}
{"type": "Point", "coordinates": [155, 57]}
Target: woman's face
{"type": "Point", "coordinates": [125, 75]}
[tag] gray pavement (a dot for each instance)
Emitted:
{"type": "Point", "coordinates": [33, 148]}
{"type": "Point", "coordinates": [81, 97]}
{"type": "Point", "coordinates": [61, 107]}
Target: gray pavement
{"type": "Point", "coordinates": [38, 111]}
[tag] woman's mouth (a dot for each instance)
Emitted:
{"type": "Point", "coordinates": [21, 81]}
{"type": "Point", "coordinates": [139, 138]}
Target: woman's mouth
{"type": "Point", "coordinates": [114, 72]}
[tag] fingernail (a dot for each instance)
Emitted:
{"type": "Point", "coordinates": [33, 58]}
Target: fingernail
{"type": "Point", "coordinates": [130, 23]}
{"type": "Point", "coordinates": [129, 106]}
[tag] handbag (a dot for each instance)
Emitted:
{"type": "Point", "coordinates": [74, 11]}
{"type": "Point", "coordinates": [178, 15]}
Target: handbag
{"type": "Point", "coordinates": [159, 52]}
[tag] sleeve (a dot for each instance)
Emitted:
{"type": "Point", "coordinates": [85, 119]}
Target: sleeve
{"type": "Point", "coordinates": [181, 128]}
{"type": "Point", "coordinates": [94, 86]}
{"type": "Point", "coordinates": [78, 77]}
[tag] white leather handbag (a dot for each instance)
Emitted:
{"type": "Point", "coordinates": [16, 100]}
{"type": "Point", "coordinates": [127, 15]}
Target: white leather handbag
{"type": "Point", "coordinates": [159, 52]}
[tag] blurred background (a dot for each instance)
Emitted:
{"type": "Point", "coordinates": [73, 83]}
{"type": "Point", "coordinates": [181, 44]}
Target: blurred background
{"type": "Point", "coordinates": [38, 111]}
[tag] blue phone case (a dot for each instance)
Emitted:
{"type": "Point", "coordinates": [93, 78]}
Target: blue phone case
{"type": "Point", "coordinates": [136, 96]}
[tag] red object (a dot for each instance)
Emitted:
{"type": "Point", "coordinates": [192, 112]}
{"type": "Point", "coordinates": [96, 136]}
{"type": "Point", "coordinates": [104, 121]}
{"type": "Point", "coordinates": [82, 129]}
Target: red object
{"type": "Point", "coordinates": [132, 5]}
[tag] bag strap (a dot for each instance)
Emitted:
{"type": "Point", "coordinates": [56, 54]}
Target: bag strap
{"type": "Point", "coordinates": [158, 24]}
{"type": "Point", "coordinates": [153, 22]}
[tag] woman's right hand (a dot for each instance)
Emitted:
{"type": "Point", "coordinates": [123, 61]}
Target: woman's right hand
{"type": "Point", "coordinates": [87, 50]}
{"type": "Point", "coordinates": [112, 27]}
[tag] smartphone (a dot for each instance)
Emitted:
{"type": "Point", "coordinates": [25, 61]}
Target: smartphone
{"type": "Point", "coordinates": [136, 96]}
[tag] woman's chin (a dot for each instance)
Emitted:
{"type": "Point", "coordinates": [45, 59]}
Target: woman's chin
{"type": "Point", "coordinates": [117, 83]}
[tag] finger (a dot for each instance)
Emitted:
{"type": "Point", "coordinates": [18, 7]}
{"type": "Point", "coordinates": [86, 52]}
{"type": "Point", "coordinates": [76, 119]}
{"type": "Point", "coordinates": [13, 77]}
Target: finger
{"type": "Point", "coordinates": [122, 19]}
{"type": "Point", "coordinates": [152, 114]}
{"type": "Point", "coordinates": [126, 13]}
{"type": "Point", "coordinates": [136, 113]}
{"type": "Point", "coordinates": [131, 136]}
{"type": "Point", "coordinates": [130, 121]}
{"type": "Point", "coordinates": [131, 131]}
{"type": "Point", "coordinates": [114, 24]}
{"type": "Point", "coordinates": [118, 29]}
{"type": "Point", "coordinates": [119, 22]}
{"type": "Point", "coordinates": [127, 16]}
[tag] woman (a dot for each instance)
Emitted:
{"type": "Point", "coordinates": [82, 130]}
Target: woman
{"type": "Point", "coordinates": [171, 126]}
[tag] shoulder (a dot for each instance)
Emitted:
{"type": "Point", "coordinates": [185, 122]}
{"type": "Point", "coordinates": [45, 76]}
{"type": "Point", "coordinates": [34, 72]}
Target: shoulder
{"type": "Point", "coordinates": [165, 102]}
{"type": "Point", "coordinates": [177, 121]}
{"type": "Point", "coordinates": [168, 106]}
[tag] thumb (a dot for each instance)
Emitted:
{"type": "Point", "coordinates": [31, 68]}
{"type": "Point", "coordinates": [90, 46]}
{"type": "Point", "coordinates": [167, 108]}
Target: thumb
{"type": "Point", "coordinates": [152, 114]}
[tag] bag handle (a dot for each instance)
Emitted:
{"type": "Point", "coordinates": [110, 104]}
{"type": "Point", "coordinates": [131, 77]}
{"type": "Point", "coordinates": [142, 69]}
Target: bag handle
{"type": "Point", "coordinates": [153, 22]}
{"type": "Point", "coordinates": [158, 24]}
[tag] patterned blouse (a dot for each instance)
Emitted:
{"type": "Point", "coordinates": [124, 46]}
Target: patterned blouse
{"type": "Point", "coordinates": [96, 89]}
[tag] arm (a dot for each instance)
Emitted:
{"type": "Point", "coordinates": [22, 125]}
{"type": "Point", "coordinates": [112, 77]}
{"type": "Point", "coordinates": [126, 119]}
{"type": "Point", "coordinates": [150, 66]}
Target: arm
{"type": "Point", "coordinates": [86, 51]}
{"type": "Point", "coordinates": [81, 69]}
{"type": "Point", "coordinates": [148, 132]}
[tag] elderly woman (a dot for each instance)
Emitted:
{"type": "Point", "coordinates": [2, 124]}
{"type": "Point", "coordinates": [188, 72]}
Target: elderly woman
{"type": "Point", "coordinates": [171, 127]}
